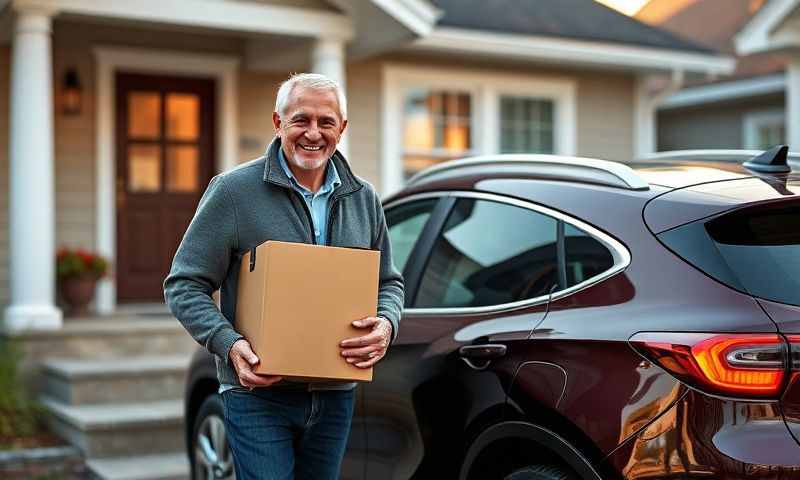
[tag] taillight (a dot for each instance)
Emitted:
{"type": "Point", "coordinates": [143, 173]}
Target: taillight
{"type": "Point", "coordinates": [733, 365]}
{"type": "Point", "coordinates": [795, 348]}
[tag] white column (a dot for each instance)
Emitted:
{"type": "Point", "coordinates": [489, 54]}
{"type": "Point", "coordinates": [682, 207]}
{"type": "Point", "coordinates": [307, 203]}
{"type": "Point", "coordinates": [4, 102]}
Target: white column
{"type": "Point", "coordinates": [32, 186]}
{"type": "Point", "coordinates": [649, 92]}
{"type": "Point", "coordinates": [793, 104]}
{"type": "Point", "coordinates": [328, 58]}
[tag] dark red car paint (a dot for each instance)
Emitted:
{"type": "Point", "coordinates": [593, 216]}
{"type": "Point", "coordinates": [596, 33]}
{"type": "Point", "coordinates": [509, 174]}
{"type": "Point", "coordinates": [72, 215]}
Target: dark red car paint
{"type": "Point", "coordinates": [569, 367]}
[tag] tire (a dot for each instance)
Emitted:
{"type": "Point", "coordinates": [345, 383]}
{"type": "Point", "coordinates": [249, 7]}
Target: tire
{"type": "Point", "coordinates": [211, 456]}
{"type": "Point", "coordinates": [540, 472]}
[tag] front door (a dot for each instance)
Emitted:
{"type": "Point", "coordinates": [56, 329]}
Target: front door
{"type": "Point", "coordinates": [165, 159]}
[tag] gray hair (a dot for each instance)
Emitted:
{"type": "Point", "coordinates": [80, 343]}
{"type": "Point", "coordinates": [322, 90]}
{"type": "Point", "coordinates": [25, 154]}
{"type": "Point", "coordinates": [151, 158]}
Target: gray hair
{"type": "Point", "coordinates": [313, 81]}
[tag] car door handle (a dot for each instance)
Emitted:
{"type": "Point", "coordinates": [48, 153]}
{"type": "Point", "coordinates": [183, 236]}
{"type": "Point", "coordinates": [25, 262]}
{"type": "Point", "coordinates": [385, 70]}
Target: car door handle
{"type": "Point", "coordinates": [478, 357]}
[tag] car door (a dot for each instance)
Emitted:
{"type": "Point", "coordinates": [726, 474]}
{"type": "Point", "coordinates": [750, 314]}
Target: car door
{"type": "Point", "coordinates": [476, 284]}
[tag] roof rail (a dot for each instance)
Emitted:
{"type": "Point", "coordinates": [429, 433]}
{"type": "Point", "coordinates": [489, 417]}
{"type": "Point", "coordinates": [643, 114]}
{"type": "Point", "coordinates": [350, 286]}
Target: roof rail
{"type": "Point", "coordinates": [737, 156]}
{"type": "Point", "coordinates": [557, 167]}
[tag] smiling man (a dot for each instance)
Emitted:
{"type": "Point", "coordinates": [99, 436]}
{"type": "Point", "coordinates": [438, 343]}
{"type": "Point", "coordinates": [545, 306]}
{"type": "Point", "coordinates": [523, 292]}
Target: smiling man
{"type": "Point", "coordinates": [301, 190]}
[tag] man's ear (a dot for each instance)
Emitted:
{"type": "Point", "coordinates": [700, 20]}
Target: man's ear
{"type": "Point", "coordinates": [344, 126]}
{"type": "Point", "coordinates": [276, 121]}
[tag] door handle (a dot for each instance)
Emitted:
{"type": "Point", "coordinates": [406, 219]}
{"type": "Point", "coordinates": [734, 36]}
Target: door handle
{"type": "Point", "coordinates": [479, 357]}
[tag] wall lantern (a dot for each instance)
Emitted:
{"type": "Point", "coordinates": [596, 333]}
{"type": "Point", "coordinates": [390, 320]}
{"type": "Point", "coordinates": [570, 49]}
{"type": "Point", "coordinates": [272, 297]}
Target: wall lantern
{"type": "Point", "coordinates": [71, 93]}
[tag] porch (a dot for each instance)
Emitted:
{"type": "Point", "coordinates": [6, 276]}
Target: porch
{"type": "Point", "coordinates": [114, 175]}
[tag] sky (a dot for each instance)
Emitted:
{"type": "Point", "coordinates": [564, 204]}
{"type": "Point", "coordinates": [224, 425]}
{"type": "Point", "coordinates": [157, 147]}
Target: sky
{"type": "Point", "coordinates": [628, 7]}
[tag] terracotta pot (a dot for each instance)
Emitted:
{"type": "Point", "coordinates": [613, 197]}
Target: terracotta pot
{"type": "Point", "coordinates": [78, 291]}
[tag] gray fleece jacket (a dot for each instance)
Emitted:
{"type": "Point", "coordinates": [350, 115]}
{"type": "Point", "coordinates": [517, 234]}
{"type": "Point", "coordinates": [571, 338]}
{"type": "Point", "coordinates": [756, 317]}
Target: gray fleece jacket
{"type": "Point", "coordinates": [247, 206]}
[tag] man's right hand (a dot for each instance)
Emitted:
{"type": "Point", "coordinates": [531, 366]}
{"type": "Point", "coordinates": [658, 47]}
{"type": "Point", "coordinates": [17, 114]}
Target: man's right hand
{"type": "Point", "coordinates": [244, 360]}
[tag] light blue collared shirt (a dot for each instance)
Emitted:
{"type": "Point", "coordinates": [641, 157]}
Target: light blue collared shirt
{"type": "Point", "coordinates": [317, 203]}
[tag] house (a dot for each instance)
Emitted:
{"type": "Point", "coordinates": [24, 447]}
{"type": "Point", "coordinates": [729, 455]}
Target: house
{"type": "Point", "coordinates": [776, 29]}
{"type": "Point", "coordinates": [119, 113]}
{"type": "Point", "coordinates": [743, 110]}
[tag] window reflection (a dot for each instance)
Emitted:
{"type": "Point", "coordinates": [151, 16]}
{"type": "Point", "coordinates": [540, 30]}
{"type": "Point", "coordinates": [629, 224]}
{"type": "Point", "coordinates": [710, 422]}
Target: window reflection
{"type": "Point", "coordinates": [526, 125]}
{"type": "Point", "coordinates": [182, 165]}
{"type": "Point", "coordinates": [183, 116]}
{"type": "Point", "coordinates": [144, 114]}
{"type": "Point", "coordinates": [437, 127]}
{"type": "Point", "coordinates": [144, 168]}
{"type": "Point", "coordinates": [490, 253]}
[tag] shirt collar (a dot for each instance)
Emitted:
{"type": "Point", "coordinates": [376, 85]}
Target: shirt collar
{"type": "Point", "coordinates": [332, 179]}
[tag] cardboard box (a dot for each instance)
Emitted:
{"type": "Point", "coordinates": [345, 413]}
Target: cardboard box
{"type": "Point", "coordinates": [296, 302]}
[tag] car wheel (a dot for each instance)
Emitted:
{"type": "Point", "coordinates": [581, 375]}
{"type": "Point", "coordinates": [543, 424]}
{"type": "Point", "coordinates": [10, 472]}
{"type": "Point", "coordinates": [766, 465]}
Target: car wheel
{"type": "Point", "coordinates": [540, 472]}
{"type": "Point", "coordinates": [212, 458]}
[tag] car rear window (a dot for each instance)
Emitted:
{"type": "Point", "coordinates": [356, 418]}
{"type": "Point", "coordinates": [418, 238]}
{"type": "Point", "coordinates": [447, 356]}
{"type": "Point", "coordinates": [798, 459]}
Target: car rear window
{"type": "Point", "coordinates": [756, 249]}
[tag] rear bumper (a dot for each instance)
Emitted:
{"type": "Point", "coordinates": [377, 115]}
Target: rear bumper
{"type": "Point", "coordinates": [705, 437]}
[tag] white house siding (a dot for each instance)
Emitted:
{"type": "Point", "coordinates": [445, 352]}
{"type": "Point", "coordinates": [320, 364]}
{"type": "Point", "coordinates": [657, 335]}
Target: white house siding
{"type": "Point", "coordinates": [605, 116]}
{"type": "Point", "coordinates": [256, 103]}
{"type": "Point", "coordinates": [364, 119]}
{"type": "Point", "coordinates": [5, 70]}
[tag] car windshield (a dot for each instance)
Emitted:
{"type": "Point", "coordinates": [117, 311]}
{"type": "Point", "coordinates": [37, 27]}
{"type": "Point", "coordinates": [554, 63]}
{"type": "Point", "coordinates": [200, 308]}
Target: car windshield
{"type": "Point", "coordinates": [762, 248]}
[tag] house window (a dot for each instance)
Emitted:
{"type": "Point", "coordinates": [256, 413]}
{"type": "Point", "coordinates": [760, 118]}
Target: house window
{"type": "Point", "coordinates": [437, 127]}
{"type": "Point", "coordinates": [763, 130]}
{"type": "Point", "coordinates": [526, 125]}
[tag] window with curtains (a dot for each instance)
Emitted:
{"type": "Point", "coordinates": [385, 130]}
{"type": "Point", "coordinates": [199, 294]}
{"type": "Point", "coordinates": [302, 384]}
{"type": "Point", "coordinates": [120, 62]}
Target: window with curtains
{"type": "Point", "coordinates": [437, 127]}
{"type": "Point", "coordinates": [526, 125]}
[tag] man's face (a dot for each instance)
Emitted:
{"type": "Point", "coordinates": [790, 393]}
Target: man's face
{"type": "Point", "coordinates": [310, 128]}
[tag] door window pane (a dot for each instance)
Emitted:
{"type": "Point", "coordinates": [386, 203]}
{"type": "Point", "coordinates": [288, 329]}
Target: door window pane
{"type": "Point", "coordinates": [144, 168]}
{"type": "Point", "coordinates": [183, 116]}
{"type": "Point", "coordinates": [526, 125]}
{"type": "Point", "coordinates": [585, 255]}
{"type": "Point", "coordinates": [144, 114]}
{"type": "Point", "coordinates": [490, 253]}
{"type": "Point", "coordinates": [437, 127]}
{"type": "Point", "coordinates": [405, 226]}
{"type": "Point", "coordinates": [182, 165]}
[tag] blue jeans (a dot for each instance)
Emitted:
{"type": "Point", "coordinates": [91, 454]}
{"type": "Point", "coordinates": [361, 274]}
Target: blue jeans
{"type": "Point", "coordinates": [287, 434]}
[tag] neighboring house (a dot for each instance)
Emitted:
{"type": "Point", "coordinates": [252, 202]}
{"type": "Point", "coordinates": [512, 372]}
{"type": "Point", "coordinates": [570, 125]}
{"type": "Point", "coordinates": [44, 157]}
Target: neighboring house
{"type": "Point", "coordinates": [744, 110]}
{"type": "Point", "coordinates": [120, 112]}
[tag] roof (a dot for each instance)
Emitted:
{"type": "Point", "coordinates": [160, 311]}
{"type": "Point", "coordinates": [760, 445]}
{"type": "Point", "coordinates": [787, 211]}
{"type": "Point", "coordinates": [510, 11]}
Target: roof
{"type": "Point", "coordinates": [713, 23]}
{"type": "Point", "coordinates": [578, 19]}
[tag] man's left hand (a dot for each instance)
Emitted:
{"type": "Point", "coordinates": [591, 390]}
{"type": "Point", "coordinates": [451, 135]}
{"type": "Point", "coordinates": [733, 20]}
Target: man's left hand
{"type": "Point", "coordinates": [365, 351]}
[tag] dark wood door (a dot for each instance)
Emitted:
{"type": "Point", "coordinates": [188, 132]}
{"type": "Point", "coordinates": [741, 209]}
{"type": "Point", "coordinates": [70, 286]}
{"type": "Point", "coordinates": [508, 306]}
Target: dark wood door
{"type": "Point", "coordinates": [165, 159]}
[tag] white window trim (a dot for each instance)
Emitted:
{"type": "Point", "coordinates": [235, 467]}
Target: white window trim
{"type": "Point", "coordinates": [112, 59]}
{"type": "Point", "coordinates": [486, 89]}
{"type": "Point", "coordinates": [755, 119]}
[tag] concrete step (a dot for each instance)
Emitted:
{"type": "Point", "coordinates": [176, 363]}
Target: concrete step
{"type": "Point", "coordinates": [120, 380]}
{"type": "Point", "coordinates": [173, 466]}
{"type": "Point", "coordinates": [113, 430]}
{"type": "Point", "coordinates": [109, 337]}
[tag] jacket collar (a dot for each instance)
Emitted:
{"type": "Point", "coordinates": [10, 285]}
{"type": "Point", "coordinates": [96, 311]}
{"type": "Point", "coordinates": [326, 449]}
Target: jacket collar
{"type": "Point", "coordinates": [274, 173]}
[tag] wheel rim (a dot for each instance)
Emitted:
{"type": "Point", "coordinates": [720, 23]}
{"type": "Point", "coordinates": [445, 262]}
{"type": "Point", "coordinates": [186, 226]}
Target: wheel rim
{"type": "Point", "coordinates": [212, 457]}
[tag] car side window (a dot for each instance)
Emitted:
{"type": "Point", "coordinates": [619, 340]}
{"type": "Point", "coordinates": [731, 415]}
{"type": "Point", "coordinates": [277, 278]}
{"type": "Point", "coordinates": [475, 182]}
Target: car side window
{"type": "Point", "coordinates": [405, 223]}
{"type": "Point", "coordinates": [490, 253]}
{"type": "Point", "coordinates": [585, 255]}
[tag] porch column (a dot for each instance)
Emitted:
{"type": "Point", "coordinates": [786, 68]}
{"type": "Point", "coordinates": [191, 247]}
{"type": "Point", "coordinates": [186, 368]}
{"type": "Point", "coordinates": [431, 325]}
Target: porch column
{"type": "Point", "coordinates": [644, 118]}
{"type": "Point", "coordinates": [31, 177]}
{"type": "Point", "coordinates": [328, 58]}
{"type": "Point", "coordinates": [649, 92]}
{"type": "Point", "coordinates": [793, 104]}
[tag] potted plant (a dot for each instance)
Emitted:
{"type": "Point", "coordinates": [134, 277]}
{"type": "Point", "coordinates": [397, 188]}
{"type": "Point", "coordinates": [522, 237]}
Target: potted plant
{"type": "Point", "coordinates": [78, 272]}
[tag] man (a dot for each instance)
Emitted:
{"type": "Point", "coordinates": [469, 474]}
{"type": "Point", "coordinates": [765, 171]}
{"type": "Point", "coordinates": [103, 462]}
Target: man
{"type": "Point", "coordinates": [301, 190]}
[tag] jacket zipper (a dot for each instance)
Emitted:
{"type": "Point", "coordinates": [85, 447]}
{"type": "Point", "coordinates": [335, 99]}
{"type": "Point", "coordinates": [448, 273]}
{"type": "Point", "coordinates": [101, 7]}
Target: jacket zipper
{"type": "Point", "coordinates": [308, 215]}
{"type": "Point", "coordinates": [331, 209]}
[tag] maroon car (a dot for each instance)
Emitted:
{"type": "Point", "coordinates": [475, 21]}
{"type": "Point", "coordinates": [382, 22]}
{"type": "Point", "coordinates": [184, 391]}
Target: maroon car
{"type": "Point", "coordinates": [572, 318]}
